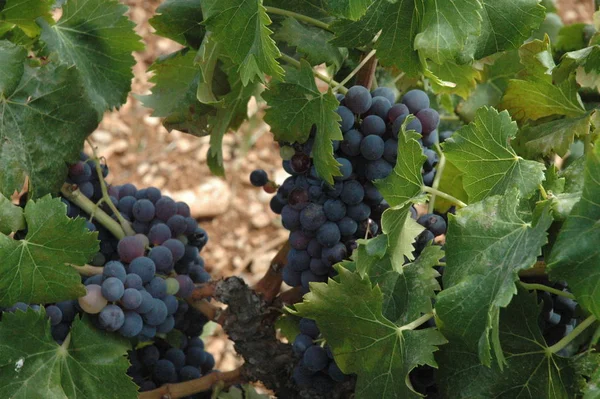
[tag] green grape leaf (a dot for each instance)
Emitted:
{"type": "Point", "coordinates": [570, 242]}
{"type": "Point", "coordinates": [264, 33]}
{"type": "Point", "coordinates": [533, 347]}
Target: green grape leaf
{"type": "Point", "coordinates": [350, 9]}
{"type": "Point", "coordinates": [465, 78]}
{"type": "Point", "coordinates": [482, 151]}
{"type": "Point", "coordinates": [363, 341]}
{"type": "Point", "coordinates": [174, 95]}
{"type": "Point", "coordinates": [494, 80]}
{"type": "Point", "coordinates": [505, 25]}
{"type": "Point", "coordinates": [288, 326]}
{"type": "Point", "coordinates": [230, 114]}
{"type": "Point", "coordinates": [406, 294]}
{"type": "Point", "coordinates": [241, 28]}
{"type": "Point", "coordinates": [487, 244]}
{"type": "Point", "coordinates": [570, 38]}
{"type": "Point", "coordinates": [585, 63]}
{"type": "Point", "coordinates": [49, 99]}
{"type": "Point", "coordinates": [34, 269]}
{"type": "Point", "coordinates": [552, 137]}
{"type": "Point", "coordinates": [99, 40]}
{"type": "Point", "coordinates": [89, 364]}
{"type": "Point", "coordinates": [297, 105]}
{"type": "Point", "coordinates": [390, 248]}
{"type": "Point", "coordinates": [12, 58]}
{"type": "Point", "coordinates": [405, 182]}
{"type": "Point", "coordinates": [181, 21]}
{"type": "Point", "coordinates": [589, 366]}
{"type": "Point", "coordinates": [312, 42]}
{"type": "Point", "coordinates": [575, 256]}
{"type": "Point", "coordinates": [446, 26]}
{"type": "Point", "coordinates": [531, 371]}
{"type": "Point", "coordinates": [399, 24]}
{"type": "Point", "coordinates": [535, 94]}
{"type": "Point", "coordinates": [23, 13]}
{"type": "Point", "coordinates": [206, 60]}
{"type": "Point", "coordinates": [11, 217]}
{"type": "Point", "coordinates": [451, 183]}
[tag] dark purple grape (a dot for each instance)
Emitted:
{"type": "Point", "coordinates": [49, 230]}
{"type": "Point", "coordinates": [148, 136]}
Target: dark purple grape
{"type": "Point", "coordinates": [165, 208]}
{"type": "Point", "coordinates": [130, 248]}
{"type": "Point", "coordinates": [415, 100]}
{"type": "Point", "coordinates": [380, 107]}
{"type": "Point", "coordinates": [143, 210]}
{"type": "Point", "coordinates": [358, 99]}
{"type": "Point", "coordinates": [347, 116]}
{"type": "Point", "coordinates": [259, 178]}
{"type": "Point", "coordinates": [397, 111]}
{"type": "Point", "coordinates": [372, 147]}
{"type": "Point", "coordinates": [429, 118]}
{"type": "Point", "coordinates": [159, 233]}
{"type": "Point", "coordinates": [351, 143]}
{"type": "Point", "coordinates": [298, 198]}
{"type": "Point", "coordinates": [385, 92]}
{"type": "Point", "coordinates": [300, 163]}
{"type": "Point", "coordinates": [373, 124]}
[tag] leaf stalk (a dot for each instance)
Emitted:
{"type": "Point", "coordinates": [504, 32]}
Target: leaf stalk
{"type": "Point", "coordinates": [317, 74]}
{"type": "Point", "coordinates": [299, 17]}
{"type": "Point", "coordinates": [439, 193]}
{"type": "Point", "coordinates": [563, 343]}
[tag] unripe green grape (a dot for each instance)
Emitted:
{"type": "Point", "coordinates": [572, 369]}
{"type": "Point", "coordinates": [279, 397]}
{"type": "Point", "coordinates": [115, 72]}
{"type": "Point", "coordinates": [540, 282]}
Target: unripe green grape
{"type": "Point", "coordinates": [286, 152]}
{"type": "Point", "coordinates": [172, 286]}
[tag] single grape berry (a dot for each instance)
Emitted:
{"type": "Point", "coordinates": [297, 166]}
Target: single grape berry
{"type": "Point", "coordinates": [259, 178]}
{"type": "Point", "coordinates": [358, 99]}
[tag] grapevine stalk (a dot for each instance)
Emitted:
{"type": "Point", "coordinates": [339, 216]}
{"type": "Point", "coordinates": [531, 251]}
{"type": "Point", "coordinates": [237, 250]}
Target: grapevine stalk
{"type": "Point", "coordinates": [318, 75]}
{"type": "Point", "coordinates": [89, 207]}
{"type": "Point", "coordinates": [439, 193]}
{"type": "Point", "coordinates": [543, 192]}
{"type": "Point", "coordinates": [541, 287]}
{"type": "Point", "coordinates": [438, 176]}
{"type": "Point", "coordinates": [124, 223]}
{"type": "Point", "coordinates": [563, 343]}
{"type": "Point", "coordinates": [299, 17]}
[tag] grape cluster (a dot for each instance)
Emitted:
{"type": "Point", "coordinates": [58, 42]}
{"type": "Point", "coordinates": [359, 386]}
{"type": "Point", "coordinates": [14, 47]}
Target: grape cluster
{"type": "Point", "coordinates": [317, 369]}
{"type": "Point", "coordinates": [144, 281]}
{"type": "Point", "coordinates": [145, 276]}
{"type": "Point", "coordinates": [326, 220]}
{"type": "Point", "coordinates": [162, 363]}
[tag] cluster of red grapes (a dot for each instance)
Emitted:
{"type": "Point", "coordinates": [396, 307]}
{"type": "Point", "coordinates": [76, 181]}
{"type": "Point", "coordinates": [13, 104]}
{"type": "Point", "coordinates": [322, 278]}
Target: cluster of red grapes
{"type": "Point", "coordinates": [325, 221]}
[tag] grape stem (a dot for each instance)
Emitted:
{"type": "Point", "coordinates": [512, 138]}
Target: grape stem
{"type": "Point", "coordinates": [318, 75]}
{"type": "Point", "coordinates": [357, 69]}
{"type": "Point", "coordinates": [270, 284]}
{"type": "Point", "coordinates": [202, 384]}
{"type": "Point", "coordinates": [563, 343]}
{"type": "Point", "coordinates": [209, 310]}
{"type": "Point", "coordinates": [438, 176]}
{"type": "Point", "coordinates": [88, 270]}
{"type": "Point", "coordinates": [124, 223]}
{"type": "Point", "coordinates": [203, 291]}
{"type": "Point", "coordinates": [439, 193]}
{"type": "Point", "coordinates": [299, 17]}
{"type": "Point", "coordinates": [75, 196]}
{"type": "Point", "coordinates": [421, 320]}
{"type": "Point", "coordinates": [543, 192]}
{"type": "Point", "coordinates": [291, 296]}
{"type": "Point", "coordinates": [542, 287]}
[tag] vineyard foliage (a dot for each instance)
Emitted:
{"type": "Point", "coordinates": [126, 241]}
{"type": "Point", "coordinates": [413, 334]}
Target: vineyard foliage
{"type": "Point", "coordinates": [520, 178]}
